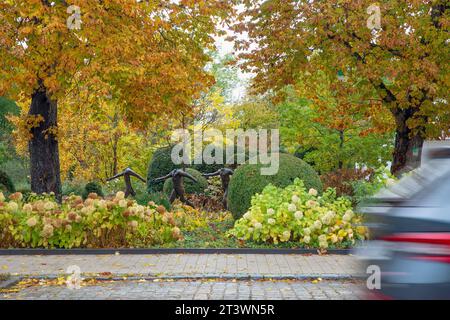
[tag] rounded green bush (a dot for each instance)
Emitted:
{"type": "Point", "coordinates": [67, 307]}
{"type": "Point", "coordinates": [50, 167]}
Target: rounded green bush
{"type": "Point", "coordinates": [160, 165]}
{"type": "Point", "coordinates": [248, 181]}
{"type": "Point", "coordinates": [6, 182]}
{"type": "Point", "coordinates": [189, 186]}
{"type": "Point", "coordinates": [93, 187]}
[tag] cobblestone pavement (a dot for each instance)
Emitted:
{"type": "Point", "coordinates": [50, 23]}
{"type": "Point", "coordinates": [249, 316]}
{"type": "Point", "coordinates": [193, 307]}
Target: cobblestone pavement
{"type": "Point", "coordinates": [197, 290]}
{"type": "Point", "coordinates": [191, 265]}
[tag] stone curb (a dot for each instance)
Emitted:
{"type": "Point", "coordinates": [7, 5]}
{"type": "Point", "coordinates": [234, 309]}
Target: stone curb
{"type": "Point", "coordinates": [135, 251]}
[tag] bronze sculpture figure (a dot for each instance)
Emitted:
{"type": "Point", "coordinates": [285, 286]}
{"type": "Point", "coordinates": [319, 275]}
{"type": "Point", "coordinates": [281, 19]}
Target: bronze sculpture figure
{"type": "Point", "coordinates": [225, 174]}
{"type": "Point", "coordinates": [127, 174]}
{"type": "Point", "coordinates": [177, 176]}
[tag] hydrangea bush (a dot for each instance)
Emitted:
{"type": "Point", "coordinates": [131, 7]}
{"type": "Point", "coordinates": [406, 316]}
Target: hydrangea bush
{"type": "Point", "coordinates": [95, 222]}
{"type": "Point", "coordinates": [296, 214]}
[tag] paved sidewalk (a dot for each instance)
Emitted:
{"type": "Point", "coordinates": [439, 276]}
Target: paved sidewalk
{"type": "Point", "coordinates": [187, 265]}
{"type": "Point", "coordinates": [188, 290]}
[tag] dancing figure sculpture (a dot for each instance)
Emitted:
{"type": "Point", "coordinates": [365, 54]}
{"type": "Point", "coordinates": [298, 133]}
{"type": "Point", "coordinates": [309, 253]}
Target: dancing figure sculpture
{"type": "Point", "coordinates": [225, 175]}
{"type": "Point", "coordinates": [177, 176]}
{"type": "Point", "coordinates": [127, 174]}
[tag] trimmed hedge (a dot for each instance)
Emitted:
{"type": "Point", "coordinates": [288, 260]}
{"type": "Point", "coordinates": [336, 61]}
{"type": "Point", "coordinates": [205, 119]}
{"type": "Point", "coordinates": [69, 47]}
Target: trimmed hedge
{"type": "Point", "coordinates": [7, 182]}
{"type": "Point", "coordinates": [93, 187]}
{"type": "Point", "coordinates": [248, 181]}
{"type": "Point", "coordinates": [160, 165]}
{"type": "Point", "coordinates": [189, 186]}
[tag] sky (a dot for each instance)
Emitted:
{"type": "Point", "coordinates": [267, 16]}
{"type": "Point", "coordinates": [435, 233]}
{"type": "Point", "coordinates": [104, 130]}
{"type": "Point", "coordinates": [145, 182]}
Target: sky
{"type": "Point", "coordinates": [225, 47]}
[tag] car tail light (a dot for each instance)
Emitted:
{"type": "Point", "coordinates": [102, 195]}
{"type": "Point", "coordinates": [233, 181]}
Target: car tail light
{"type": "Point", "coordinates": [423, 246]}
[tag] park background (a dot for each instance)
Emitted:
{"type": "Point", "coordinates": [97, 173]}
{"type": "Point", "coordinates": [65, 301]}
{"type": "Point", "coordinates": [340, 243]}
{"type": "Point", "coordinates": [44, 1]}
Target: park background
{"type": "Point", "coordinates": [353, 106]}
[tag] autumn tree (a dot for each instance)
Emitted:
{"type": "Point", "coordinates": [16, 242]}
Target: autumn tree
{"type": "Point", "coordinates": [150, 55]}
{"type": "Point", "coordinates": [329, 130]}
{"type": "Point", "coordinates": [404, 58]}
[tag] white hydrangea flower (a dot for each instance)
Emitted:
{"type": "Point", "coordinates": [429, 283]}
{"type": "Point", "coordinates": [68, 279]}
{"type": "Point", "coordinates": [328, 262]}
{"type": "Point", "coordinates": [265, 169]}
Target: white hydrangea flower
{"type": "Point", "coordinates": [313, 192]}
{"type": "Point", "coordinates": [298, 215]}
{"type": "Point", "coordinates": [306, 239]}
{"type": "Point", "coordinates": [325, 220]}
{"type": "Point", "coordinates": [295, 198]}
{"type": "Point", "coordinates": [271, 221]}
{"type": "Point", "coordinates": [307, 231]}
{"type": "Point", "coordinates": [140, 209]}
{"type": "Point", "coordinates": [123, 203]}
{"type": "Point", "coordinates": [32, 222]}
{"type": "Point", "coordinates": [322, 238]}
{"type": "Point", "coordinates": [12, 206]}
{"type": "Point", "coordinates": [270, 211]}
{"type": "Point", "coordinates": [348, 216]}
{"type": "Point", "coordinates": [328, 218]}
{"type": "Point", "coordinates": [101, 204]}
{"type": "Point", "coordinates": [120, 195]}
{"type": "Point", "coordinates": [2, 197]}
{"type": "Point", "coordinates": [250, 230]}
{"type": "Point", "coordinates": [292, 207]}
{"type": "Point", "coordinates": [323, 245]}
{"type": "Point", "coordinates": [311, 203]}
{"type": "Point", "coordinates": [27, 208]}
{"type": "Point", "coordinates": [49, 205]}
{"type": "Point", "coordinates": [247, 215]}
{"type": "Point", "coordinates": [258, 225]}
{"type": "Point", "coordinates": [317, 225]}
{"type": "Point", "coordinates": [286, 235]}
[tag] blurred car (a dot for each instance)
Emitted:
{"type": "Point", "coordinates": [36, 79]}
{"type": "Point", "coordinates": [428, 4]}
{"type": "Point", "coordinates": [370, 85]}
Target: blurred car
{"type": "Point", "coordinates": [409, 225]}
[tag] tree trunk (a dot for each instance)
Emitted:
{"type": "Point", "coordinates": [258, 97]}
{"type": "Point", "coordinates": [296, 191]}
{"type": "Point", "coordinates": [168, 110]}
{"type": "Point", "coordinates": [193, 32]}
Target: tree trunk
{"type": "Point", "coordinates": [408, 145]}
{"type": "Point", "coordinates": [43, 146]}
{"type": "Point", "coordinates": [341, 148]}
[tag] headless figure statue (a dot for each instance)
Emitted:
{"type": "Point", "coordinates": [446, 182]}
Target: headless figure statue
{"type": "Point", "coordinates": [177, 176]}
{"type": "Point", "coordinates": [127, 174]}
{"type": "Point", "coordinates": [225, 175]}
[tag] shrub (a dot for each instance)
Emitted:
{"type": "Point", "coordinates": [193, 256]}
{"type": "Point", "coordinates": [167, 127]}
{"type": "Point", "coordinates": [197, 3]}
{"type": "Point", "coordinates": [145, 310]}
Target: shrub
{"type": "Point", "coordinates": [342, 180]}
{"type": "Point", "coordinates": [93, 222]}
{"type": "Point", "coordinates": [295, 214]}
{"type": "Point", "coordinates": [92, 187]}
{"type": "Point", "coordinates": [160, 165]}
{"type": "Point", "coordinates": [364, 189]}
{"type": "Point", "coordinates": [6, 182]}
{"type": "Point", "coordinates": [248, 181]}
{"type": "Point", "coordinates": [189, 186]}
